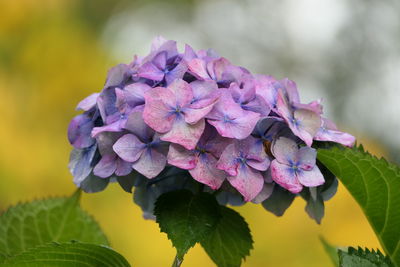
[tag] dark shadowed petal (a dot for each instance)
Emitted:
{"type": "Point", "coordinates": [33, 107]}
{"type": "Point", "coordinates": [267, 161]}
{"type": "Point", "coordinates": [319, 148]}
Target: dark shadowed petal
{"type": "Point", "coordinates": [79, 131]}
{"type": "Point", "coordinates": [265, 193]}
{"type": "Point", "coordinates": [106, 166]}
{"type": "Point", "coordinates": [285, 177]}
{"type": "Point", "coordinates": [106, 140]}
{"type": "Point", "coordinates": [88, 103]}
{"type": "Point", "coordinates": [150, 163]}
{"type": "Point", "coordinates": [311, 178]}
{"type": "Point", "coordinates": [184, 134]}
{"type": "Point", "coordinates": [207, 173]}
{"type": "Point", "coordinates": [248, 182]}
{"type": "Point", "coordinates": [306, 158]}
{"type": "Point", "coordinates": [285, 150]}
{"type": "Point", "coordinates": [129, 148]}
{"type": "Point", "coordinates": [181, 157]}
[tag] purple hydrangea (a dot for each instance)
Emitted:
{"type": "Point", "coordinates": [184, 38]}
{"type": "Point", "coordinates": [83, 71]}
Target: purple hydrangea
{"type": "Point", "coordinates": [196, 115]}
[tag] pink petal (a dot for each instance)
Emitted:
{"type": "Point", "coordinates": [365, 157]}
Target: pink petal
{"type": "Point", "coordinates": [129, 148]}
{"type": "Point", "coordinates": [157, 113]}
{"type": "Point", "coordinates": [259, 165]}
{"type": "Point", "coordinates": [284, 150]}
{"type": "Point", "coordinates": [285, 177]}
{"type": "Point", "coordinates": [248, 182]}
{"type": "Point", "coordinates": [150, 163]}
{"type": "Point", "coordinates": [184, 134]}
{"type": "Point", "coordinates": [88, 103]}
{"type": "Point", "coordinates": [206, 172]}
{"type": "Point", "coordinates": [306, 157]}
{"type": "Point", "coordinates": [181, 157]}
{"type": "Point", "coordinates": [311, 178]}
{"type": "Point", "coordinates": [227, 161]}
{"type": "Point", "coordinates": [106, 166]}
{"type": "Point", "coordinates": [182, 91]}
{"type": "Point", "coordinates": [198, 68]}
{"type": "Point", "coordinates": [217, 67]}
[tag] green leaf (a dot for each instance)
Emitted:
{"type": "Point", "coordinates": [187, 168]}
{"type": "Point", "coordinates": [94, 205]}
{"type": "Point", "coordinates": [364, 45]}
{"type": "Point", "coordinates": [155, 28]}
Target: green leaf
{"type": "Point", "coordinates": [68, 255]}
{"type": "Point", "coordinates": [230, 241]}
{"type": "Point", "coordinates": [363, 258]}
{"type": "Point", "coordinates": [186, 218]}
{"type": "Point", "coordinates": [331, 251]}
{"type": "Point", "coordinates": [55, 219]}
{"type": "Point", "coordinates": [375, 185]}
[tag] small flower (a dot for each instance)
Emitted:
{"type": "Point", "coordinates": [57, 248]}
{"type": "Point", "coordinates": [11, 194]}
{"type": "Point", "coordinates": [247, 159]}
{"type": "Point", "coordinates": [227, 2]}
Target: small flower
{"type": "Point", "coordinates": [110, 163]}
{"type": "Point", "coordinates": [201, 161]}
{"type": "Point", "coordinates": [294, 168]}
{"type": "Point", "coordinates": [304, 123]}
{"type": "Point", "coordinates": [177, 112]}
{"type": "Point", "coordinates": [243, 161]}
{"type": "Point", "coordinates": [230, 119]}
{"type": "Point", "coordinates": [329, 132]}
{"type": "Point", "coordinates": [142, 147]}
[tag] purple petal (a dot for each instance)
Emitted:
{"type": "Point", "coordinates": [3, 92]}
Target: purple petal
{"type": "Point", "coordinates": [106, 103]}
{"type": "Point", "coordinates": [135, 93]}
{"type": "Point", "coordinates": [259, 165]}
{"type": "Point", "coordinates": [181, 157]}
{"type": "Point", "coordinates": [116, 75]}
{"type": "Point", "coordinates": [189, 53]}
{"type": "Point", "coordinates": [184, 134]}
{"type": "Point", "coordinates": [248, 182]}
{"type": "Point", "coordinates": [227, 161]}
{"type": "Point", "coordinates": [136, 125]}
{"type": "Point", "coordinates": [217, 67]}
{"type": "Point", "coordinates": [123, 167]}
{"type": "Point", "coordinates": [79, 131]}
{"type": "Point", "coordinates": [113, 127]}
{"type": "Point", "coordinates": [176, 73]}
{"type": "Point", "coordinates": [88, 103]}
{"type": "Point", "coordinates": [160, 60]}
{"type": "Point", "coordinates": [265, 88]}
{"type": "Point", "coordinates": [106, 166]}
{"type": "Point", "coordinates": [329, 132]}
{"type": "Point", "coordinates": [265, 193]}
{"type": "Point", "coordinates": [310, 178]}
{"type": "Point", "coordinates": [285, 150]}
{"type": "Point", "coordinates": [207, 173]}
{"type": "Point", "coordinates": [106, 140]}
{"type": "Point", "coordinates": [285, 177]}
{"type": "Point", "coordinates": [157, 113]}
{"type": "Point", "coordinates": [129, 148]}
{"type": "Point", "coordinates": [306, 158]}
{"type": "Point", "coordinates": [150, 163]}
{"type": "Point", "coordinates": [150, 71]}
{"type": "Point", "coordinates": [203, 90]}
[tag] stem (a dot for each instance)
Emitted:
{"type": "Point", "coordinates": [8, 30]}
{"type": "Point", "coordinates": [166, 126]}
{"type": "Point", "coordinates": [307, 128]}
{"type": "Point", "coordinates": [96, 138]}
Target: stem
{"type": "Point", "coordinates": [177, 261]}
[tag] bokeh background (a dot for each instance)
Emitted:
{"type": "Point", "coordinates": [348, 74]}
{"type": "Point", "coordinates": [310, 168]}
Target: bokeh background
{"type": "Point", "coordinates": [55, 52]}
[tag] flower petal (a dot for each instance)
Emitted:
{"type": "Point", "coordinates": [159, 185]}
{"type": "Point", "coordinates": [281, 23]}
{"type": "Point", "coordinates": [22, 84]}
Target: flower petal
{"type": "Point", "coordinates": [184, 134]}
{"type": "Point", "coordinates": [308, 123]}
{"type": "Point", "coordinates": [160, 60]}
{"type": "Point", "coordinates": [181, 157]}
{"type": "Point", "coordinates": [310, 178]}
{"type": "Point", "coordinates": [265, 193]}
{"type": "Point", "coordinates": [116, 75]}
{"type": "Point", "coordinates": [135, 93]}
{"type": "Point", "coordinates": [79, 131]}
{"type": "Point", "coordinates": [157, 113]}
{"type": "Point", "coordinates": [150, 71]}
{"type": "Point", "coordinates": [88, 103]}
{"type": "Point", "coordinates": [248, 182]}
{"type": "Point", "coordinates": [176, 73]}
{"type": "Point", "coordinates": [285, 177]}
{"type": "Point", "coordinates": [150, 163]}
{"type": "Point", "coordinates": [182, 91]}
{"type": "Point", "coordinates": [113, 127]}
{"type": "Point", "coordinates": [306, 158]}
{"type": "Point", "coordinates": [129, 148]}
{"type": "Point", "coordinates": [123, 167]}
{"type": "Point", "coordinates": [136, 125]}
{"type": "Point", "coordinates": [227, 161]}
{"type": "Point", "coordinates": [198, 68]}
{"type": "Point", "coordinates": [106, 166]}
{"type": "Point", "coordinates": [207, 173]}
{"type": "Point", "coordinates": [284, 150]}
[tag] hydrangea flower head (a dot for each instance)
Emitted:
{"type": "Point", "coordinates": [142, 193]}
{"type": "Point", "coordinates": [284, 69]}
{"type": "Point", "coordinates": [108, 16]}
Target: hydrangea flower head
{"type": "Point", "coordinates": [171, 120]}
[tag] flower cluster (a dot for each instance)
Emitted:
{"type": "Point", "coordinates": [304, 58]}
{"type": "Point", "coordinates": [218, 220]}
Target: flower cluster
{"type": "Point", "coordinates": [173, 120]}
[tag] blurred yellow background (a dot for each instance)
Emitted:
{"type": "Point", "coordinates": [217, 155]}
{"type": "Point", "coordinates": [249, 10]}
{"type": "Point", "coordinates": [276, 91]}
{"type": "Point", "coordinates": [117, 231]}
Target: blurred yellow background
{"type": "Point", "coordinates": [50, 58]}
